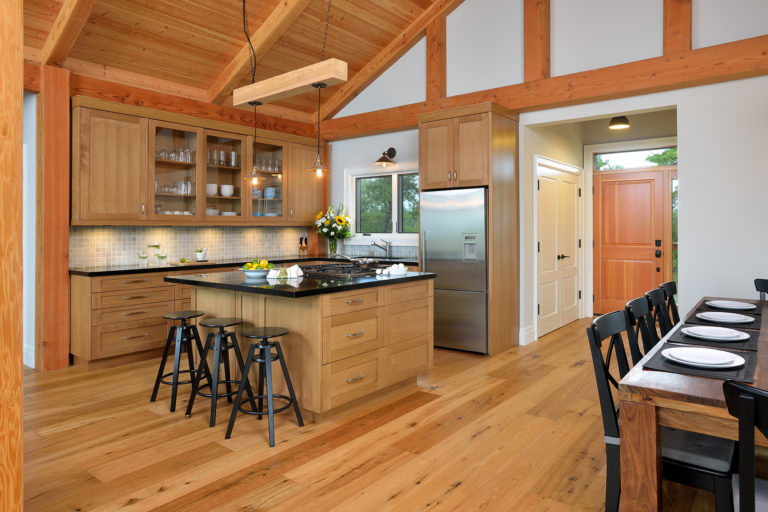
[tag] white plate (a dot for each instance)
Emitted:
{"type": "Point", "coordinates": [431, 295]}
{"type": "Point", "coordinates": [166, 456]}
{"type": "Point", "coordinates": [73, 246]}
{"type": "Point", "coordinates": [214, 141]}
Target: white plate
{"type": "Point", "coordinates": [704, 332]}
{"type": "Point", "coordinates": [731, 304]}
{"type": "Point", "coordinates": [229, 214]}
{"type": "Point", "coordinates": [699, 357]}
{"type": "Point", "coordinates": [724, 318]}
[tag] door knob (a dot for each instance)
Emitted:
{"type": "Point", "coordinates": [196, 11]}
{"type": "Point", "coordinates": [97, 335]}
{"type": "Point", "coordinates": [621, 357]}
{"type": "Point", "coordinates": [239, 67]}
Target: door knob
{"type": "Point", "coordinates": [562, 256]}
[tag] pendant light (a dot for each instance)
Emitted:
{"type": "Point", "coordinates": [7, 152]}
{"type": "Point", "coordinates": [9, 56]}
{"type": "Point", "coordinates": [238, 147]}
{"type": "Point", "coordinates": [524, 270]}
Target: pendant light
{"type": "Point", "coordinates": [619, 123]}
{"type": "Point", "coordinates": [318, 168]}
{"type": "Point", "coordinates": [253, 174]}
{"type": "Point", "coordinates": [386, 158]}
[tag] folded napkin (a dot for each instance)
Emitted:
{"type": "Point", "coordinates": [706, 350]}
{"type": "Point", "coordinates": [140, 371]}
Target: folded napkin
{"type": "Point", "coordinates": [285, 273]}
{"type": "Point", "coordinates": [294, 282]}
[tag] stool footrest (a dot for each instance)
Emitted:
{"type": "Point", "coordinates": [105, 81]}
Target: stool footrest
{"type": "Point", "coordinates": [264, 397]}
{"type": "Point", "coordinates": [218, 394]}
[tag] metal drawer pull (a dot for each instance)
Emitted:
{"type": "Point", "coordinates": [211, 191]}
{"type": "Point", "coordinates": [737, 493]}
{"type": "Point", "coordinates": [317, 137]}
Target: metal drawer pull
{"type": "Point", "coordinates": [125, 313]}
{"type": "Point", "coordinates": [136, 297]}
{"type": "Point", "coordinates": [126, 338]}
{"type": "Point", "coordinates": [355, 334]}
{"type": "Point", "coordinates": [355, 301]}
{"type": "Point", "coordinates": [134, 281]}
{"type": "Point", "coordinates": [355, 379]}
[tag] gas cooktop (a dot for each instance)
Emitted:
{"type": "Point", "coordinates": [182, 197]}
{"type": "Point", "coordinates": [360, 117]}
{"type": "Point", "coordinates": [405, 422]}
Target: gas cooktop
{"type": "Point", "coordinates": [337, 271]}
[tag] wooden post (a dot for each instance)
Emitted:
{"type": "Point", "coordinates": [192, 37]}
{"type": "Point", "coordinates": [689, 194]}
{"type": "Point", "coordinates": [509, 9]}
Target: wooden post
{"type": "Point", "coordinates": [677, 26]}
{"type": "Point", "coordinates": [52, 274]}
{"type": "Point", "coordinates": [536, 39]}
{"type": "Point", "coordinates": [11, 147]}
{"type": "Point", "coordinates": [640, 458]}
{"type": "Point", "coordinates": [436, 63]}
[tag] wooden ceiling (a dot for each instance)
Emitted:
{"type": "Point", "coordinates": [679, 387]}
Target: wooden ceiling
{"type": "Point", "coordinates": [197, 48]}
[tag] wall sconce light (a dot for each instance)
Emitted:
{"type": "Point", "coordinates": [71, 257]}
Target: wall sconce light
{"type": "Point", "coordinates": [386, 158]}
{"type": "Point", "coordinates": [619, 123]}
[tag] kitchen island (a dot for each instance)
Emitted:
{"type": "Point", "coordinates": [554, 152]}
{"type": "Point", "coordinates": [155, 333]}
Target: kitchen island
{"type": "Point", "coordinates": [348, 337]}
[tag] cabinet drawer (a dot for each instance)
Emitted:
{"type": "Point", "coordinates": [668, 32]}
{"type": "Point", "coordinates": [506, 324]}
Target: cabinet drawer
{"type": "Point", "coordinates": [336, 303]}
{"type": "Point", "coordinates": [408, 291]}
{"type": "Point", "coordinates": [350, 334]}
{"type": "Point", "coordinates": [183, 291]}
{"type": "Point", "coordinates": [153, 311]}
{"type": "Point", "coordinates": [124, 338]}
{"type": "Point", "coordinates": [128, 282]}
{"type": "Point", "coordinates": [404, 360]}
{"type": "Point", "coordinates": [131, 297]}
{"type": "Point", "coordinates": [408, 319]}
{"type": "Point", "coordinates": [350, 378]}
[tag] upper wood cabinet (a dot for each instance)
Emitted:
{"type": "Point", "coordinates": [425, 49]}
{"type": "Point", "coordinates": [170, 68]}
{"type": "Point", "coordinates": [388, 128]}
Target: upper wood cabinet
{"type": "Point", "coordinates": [304, 188]}
{"type": "Point", "coordinates": [109, 166]}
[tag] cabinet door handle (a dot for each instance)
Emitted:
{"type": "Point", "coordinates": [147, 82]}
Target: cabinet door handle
{"type": "Point", "coordinates": [355, 301]}
{"type": "Point", "coordinates": [136, 297]}
{"type": "Point", "coordinates": [142, 208]}
{"type": "Point", "coordinates": [355, 379]}
{"type": "Point", "coordinates": [454, 175]}
{"type": "Point", "coordinates": [135, 313]}
{"type": "Point", "coordinates": [126, 338]}
{"type": "Point", "coordinates": [449, 175]}
{"type": "Point", "coordinates": [134, 281]}
{"type": "Point", "coordinates": [291, 212]}
{"type": "Point", "coordinates": [355, 334]}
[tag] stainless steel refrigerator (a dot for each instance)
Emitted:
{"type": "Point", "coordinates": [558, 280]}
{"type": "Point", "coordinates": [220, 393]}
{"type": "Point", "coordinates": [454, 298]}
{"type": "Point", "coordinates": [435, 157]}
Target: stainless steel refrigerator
{"type": "Point", "coordinates": [454, 246]}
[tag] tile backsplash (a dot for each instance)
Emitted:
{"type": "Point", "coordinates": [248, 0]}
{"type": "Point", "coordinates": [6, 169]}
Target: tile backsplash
{"type": "Point", "coordinates": [118, 245]}
{"type": "Point", "coordinates": [398, 251]}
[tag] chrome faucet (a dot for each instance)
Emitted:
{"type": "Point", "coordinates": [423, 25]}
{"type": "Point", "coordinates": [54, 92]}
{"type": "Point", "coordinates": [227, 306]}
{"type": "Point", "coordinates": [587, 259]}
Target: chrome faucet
{"type": "Point", "coordinates": [386, 247]}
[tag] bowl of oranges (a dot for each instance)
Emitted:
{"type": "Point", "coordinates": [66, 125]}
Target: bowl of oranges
{"type": "Point", "coordinates": [257, 268]}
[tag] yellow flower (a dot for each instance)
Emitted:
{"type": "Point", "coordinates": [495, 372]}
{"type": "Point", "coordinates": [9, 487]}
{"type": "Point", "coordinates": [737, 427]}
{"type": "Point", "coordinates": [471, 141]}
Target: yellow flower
{"type": "Point", "coordinates": [327, 222]}
{"type": "Point", "coordinates": [320, 214]}
{"type": "Point", "coordinates": [340, 220]}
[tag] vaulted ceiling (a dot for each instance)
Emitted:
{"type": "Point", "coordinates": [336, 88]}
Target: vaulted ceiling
{"type": "Point", "coordinates": [197, 48]}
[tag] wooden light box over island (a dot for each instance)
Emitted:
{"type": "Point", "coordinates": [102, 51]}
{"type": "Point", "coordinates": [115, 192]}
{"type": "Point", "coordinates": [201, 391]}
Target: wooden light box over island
{"type": "Point", "coordinates": [348, 338]}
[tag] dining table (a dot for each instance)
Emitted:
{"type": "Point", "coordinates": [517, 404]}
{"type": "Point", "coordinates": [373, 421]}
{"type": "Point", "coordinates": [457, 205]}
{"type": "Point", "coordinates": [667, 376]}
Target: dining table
{"type": "Point", "coordinates": [651, 399]}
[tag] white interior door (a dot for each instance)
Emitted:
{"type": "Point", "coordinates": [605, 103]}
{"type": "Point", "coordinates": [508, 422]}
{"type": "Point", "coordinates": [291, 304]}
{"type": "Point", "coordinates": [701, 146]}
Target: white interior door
{"type": "Point", "coordinates": [558, 247]}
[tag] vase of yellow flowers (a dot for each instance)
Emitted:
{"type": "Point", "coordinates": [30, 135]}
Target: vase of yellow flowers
{"type": "Point", "coordinates": [333, 224]}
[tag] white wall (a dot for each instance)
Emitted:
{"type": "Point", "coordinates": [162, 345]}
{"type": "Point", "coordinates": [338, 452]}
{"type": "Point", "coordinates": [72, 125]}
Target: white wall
{"type": "Point", "coordinates": [591, 34]}
{"type": "Point", "coordinates": [484, 45]}
{"type": "Point", "coordinates": [29, 218]}
{"type": "Point", "coordinates": [716, 22]}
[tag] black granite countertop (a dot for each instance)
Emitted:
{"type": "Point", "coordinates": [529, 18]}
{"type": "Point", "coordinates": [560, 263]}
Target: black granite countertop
{"type": "Point", "coordinates": [278, 260]}
{"type": "Point", "coordinates": [299, 287]}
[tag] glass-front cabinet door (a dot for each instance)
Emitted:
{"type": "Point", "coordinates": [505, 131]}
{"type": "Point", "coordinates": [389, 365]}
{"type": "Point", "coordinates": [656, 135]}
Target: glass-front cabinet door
{"type": "Point", "coordinates": [224, 171]}
{"type": "Point", "coordinates": [173, 184]}
{"type": "Point", "coordinates": [266, 197]}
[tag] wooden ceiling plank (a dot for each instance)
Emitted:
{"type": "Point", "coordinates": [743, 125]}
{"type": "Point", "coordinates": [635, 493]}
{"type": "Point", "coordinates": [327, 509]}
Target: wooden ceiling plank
{"type": "Point", "coordinates": [278, 21]}
{"type": "Point", "coordinates": [730, 61]}
{"type": "Point", "coordinates": [436, 60]}
{"type": "Point", "coordinates": [386, 57]}
{"type": "Point", "coordinates": [69, 22]}
{"type": "Point", "coordinates": [677, 26]}
{"type": "Point", "coordinates": [536, 39]}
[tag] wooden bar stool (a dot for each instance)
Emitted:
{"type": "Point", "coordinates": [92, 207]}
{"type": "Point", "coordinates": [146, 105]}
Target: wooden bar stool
{"type": "Point", "coordinates": [220, 341]}
{"type": "Point", "coordinates": [181, 336]}
{"type": "Point", "coordinates": [264, 358]}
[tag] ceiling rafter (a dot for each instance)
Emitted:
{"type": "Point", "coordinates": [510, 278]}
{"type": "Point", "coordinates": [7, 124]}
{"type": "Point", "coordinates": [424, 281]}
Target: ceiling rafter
{"type": "Point", "coordinates": [386, 57]}
{"type": "Point", "coordinates": [71, 19]}
{"type": "Point", "coordinates": [265, 37]}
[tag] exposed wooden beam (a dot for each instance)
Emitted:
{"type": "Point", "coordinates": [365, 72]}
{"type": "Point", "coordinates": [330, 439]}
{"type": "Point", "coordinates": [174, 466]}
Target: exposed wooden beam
{"type": "Point", "coordinates": [721, 63]}
{"type": "Point", "coordinates": [386, 57]}
{"type": "Point", "coordinates": [11, 375]}
{"type": "Point", "coordinates": [31, 77]}
{"type": "Point", "coordinates": [278, 112]}
{"type": "Point", "coordinates": [71, 19]}
{"type": "Point", "coordinates": [297, 81]}
{"type": "Point", "coordinates": [436, 63]}
{"type": "Point", "coordinates": [95, 88]}
{"type": "Point", "coordinates": [32, 54]}
{"type": "Point", "coordinates": [677, 26]}
{"type": "Point", "coordinates": [52, 263]}
{"type": "Point", "coordinates": [278, 21]}
{"type": "Point", "coordinates": [536, 39]}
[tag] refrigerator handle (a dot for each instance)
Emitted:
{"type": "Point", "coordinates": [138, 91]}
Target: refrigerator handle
{"type": "Point", "coordinates": [424, 251]}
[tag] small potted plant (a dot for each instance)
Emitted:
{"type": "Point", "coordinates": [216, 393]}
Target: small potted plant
{"type": "Point", "coordinates": [333, 224]}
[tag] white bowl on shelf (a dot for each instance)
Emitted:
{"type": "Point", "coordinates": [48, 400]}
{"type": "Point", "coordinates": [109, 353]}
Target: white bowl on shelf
{"type": "Point", "coordinates": [211, 189]}
{"type": "Point", "coordinates": [229, 214]}
{"type": "Point", "coordinates": [227, 190]}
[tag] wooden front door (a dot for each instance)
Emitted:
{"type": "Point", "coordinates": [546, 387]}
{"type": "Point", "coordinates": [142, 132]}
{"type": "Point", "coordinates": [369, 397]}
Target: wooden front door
{"type": "Point", "coordinates": [632, 224]}
{"type": "Point", "coordinates": [558, 250]}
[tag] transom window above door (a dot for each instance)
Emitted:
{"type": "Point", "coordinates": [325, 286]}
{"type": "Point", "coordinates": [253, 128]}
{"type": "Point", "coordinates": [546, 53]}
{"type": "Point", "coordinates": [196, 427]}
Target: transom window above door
{"type": "Point", "coordinates": [635, 159]}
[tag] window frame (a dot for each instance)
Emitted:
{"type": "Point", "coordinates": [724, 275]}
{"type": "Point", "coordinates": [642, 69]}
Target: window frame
{"type": "Point", "coordinates": [350, 206]}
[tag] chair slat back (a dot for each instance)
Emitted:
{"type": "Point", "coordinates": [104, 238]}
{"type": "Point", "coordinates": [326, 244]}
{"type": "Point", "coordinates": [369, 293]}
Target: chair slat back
{"type": "Point", "coordinates": [608, 328]}
{"type": "Point", "coordinates": [640, 327]}
{"type": "Point", "coordinates": [670, 290]}
{"type": "Point", "coordinates": [658, 304]}
{"type": "Point", "coordinates": [761, 285]}
{"type": "Point", "coordinates": [750, 405]}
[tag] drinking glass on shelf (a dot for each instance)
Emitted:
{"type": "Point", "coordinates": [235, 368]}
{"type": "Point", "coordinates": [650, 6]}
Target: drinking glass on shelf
{"type": "Point", "coordinates": [180, 154]}
{"type": "Point", "coordinates": [172, 156]}
{"type": "Point", "coordinates": [270, 165]}
{"type": "Point", "coordinates": [222, 157]}
{"type": "Point", "coordinates": [163, 155]}
{"type": "Point", "coordinates": [188, 156]}
{"type": "Point", "coordinates": [233, 159]}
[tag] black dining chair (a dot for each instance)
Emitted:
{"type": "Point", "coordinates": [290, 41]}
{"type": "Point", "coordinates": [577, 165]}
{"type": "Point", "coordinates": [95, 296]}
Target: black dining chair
{"type": "Point", "coordinates": [701, 461]}
{"type": "Point", "coordinates": [641, 327]}
{"type": "Point", "coordinates": [761, 285]}
{"type": "Point", "coordinates": [658, 303]}
{"type": "Point", "coordinates": [670, 290]}
{"type": "Point", "coordinates": [750, 406]}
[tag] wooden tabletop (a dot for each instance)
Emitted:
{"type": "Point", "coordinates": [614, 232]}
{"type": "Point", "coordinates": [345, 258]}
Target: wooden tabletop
{"type": "Point", "coordinates": [685, 392]}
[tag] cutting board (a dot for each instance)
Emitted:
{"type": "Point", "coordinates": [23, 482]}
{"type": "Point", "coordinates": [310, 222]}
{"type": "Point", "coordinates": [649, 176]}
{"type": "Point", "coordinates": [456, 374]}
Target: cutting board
{"type": "Point", "coordinates": [192, 263]}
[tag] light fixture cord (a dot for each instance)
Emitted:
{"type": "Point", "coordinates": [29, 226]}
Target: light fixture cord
{"type": "Point", "coordinates": [325, 35]}
{"type": "Point", "coordinates": [322, 57]}
{"type": "Point", "coordinates": [252, 59]}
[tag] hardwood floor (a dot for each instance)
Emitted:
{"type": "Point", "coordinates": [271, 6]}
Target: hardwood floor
{"type": "Point", "coordinates": [518, 431]}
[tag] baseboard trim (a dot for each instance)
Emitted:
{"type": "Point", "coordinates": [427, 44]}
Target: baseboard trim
{"type": "Point", "coordinates": [527, 335]}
